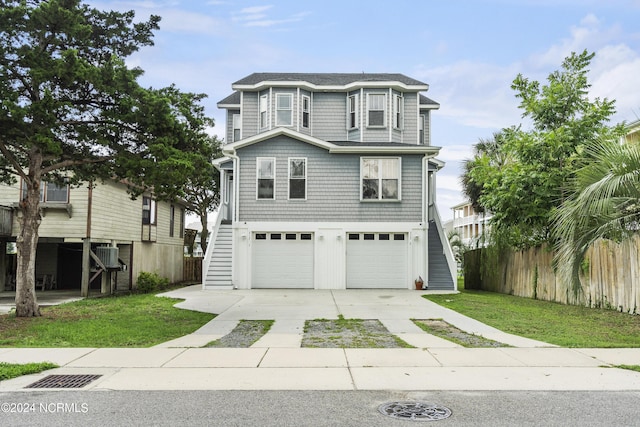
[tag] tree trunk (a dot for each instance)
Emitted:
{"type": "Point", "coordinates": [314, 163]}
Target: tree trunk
{"type": "Point", "coordinates": [27, 243]}
{"type": "Point", "coordinates": [204, 234]}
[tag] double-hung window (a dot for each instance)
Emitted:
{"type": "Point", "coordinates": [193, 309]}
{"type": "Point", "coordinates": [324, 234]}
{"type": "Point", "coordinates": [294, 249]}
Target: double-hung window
{"type": "Point", "coordinates": [376, 109]}
{"type": "Point", "coordinates": [306, 111]}
{"type": "Point", "coordinates": [352, 111]}
{"type": "Point", "coordinates": [380, 178]}
{"type": "Point", "coordinates": [397, 111]}
{"type": "Point", "coordinates": [266, 178]}
{"type": "Point", "coordinates": [264, 108]}
{"type": "Point", "coordinates": [236, 127]}
{"type": "Point", "coordinates": [297, 178]}
{"type": "Point", "coordinates": [284, 109]}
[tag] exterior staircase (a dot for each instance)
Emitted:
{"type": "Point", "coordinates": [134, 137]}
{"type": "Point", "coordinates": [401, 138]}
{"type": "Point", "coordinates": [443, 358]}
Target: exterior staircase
{"type": "Point", "coordinates": [439, 273]}
{"type": "Point", "coordinates": [218, 273]}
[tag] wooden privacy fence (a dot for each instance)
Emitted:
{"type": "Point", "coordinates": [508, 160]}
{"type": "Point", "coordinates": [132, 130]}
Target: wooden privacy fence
{"type": "Point", "coordinates": [193, 269]}
{"type": "Point", "coordinates": [610, 275]}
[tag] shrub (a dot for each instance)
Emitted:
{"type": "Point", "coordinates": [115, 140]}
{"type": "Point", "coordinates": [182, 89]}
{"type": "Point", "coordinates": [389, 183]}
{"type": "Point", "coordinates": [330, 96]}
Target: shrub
{"type": "Point", "coordinates": [151, 282]}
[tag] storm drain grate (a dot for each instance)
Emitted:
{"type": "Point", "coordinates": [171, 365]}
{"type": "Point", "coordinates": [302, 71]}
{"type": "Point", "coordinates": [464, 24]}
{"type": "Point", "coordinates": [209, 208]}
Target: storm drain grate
{"type": "Point", "coordinates": [415, 411]}
{"type": "Point", "coordinates": [64, 381]}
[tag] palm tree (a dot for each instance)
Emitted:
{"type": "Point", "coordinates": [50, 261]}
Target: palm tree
{"type": "Point", "coordinates": [606, 204]}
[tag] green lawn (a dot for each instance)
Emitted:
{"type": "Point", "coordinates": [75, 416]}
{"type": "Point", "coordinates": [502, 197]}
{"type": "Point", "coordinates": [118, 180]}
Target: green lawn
{"type": "Point", "coordinates": [11, 370]}
{"type": "Point", "coordinates": [563, 325]}
{"type": "Point", "coordinates": [141, 320]}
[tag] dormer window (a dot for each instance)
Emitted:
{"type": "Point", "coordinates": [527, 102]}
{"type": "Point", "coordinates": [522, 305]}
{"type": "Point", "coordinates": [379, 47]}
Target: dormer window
{"type": "Point", "coordinates": [398, 111]}
{"type": "Point", "coordinates": [352, 112]}
{"type": "Point", "coordinates": [264, 104]}
{"type": "Point", "coordinates": [376, 109]}
{"type": "Point", "coordinates": [306, 111]}
{"type": "Point", "coordinates": [284, 109]}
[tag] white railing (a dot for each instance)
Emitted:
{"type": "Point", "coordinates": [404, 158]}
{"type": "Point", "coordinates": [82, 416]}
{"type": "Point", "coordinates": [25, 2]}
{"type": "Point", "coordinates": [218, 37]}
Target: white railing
{"type": "Point", "coordinates": [446, 247]}
{"type": "Point", "coordinates": [210, 246]}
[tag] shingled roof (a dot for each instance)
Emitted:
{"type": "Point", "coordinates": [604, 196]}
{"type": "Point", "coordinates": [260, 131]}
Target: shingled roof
{"type": "Point", "coordinates": [327, 79]}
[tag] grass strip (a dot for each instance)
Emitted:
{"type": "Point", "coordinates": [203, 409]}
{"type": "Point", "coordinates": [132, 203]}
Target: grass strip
{"type": "Point", "coordinates": [137, 320]}
{"type": "Point", "coordinates": [13, 370]}
{"type": "Point", "coordinates": [629, 367]}
{"type": "Point", "coordinates": [559, 324]}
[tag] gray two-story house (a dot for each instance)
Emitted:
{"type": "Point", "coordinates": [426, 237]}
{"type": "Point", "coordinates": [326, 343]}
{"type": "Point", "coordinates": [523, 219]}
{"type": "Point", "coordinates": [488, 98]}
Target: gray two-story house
{"type": "Point", "coordinates": [328, 182]}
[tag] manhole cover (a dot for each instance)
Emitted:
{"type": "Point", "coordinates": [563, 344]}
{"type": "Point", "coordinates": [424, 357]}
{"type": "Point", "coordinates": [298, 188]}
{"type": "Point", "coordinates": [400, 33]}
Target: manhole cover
{"type": "Point", "coordinates": [64, 381]}
{"type": "Point", "coordinates": [415, 411]}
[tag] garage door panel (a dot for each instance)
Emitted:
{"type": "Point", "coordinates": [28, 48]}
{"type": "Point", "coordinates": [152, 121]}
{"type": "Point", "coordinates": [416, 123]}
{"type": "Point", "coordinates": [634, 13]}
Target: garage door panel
{"type": "Point", "coordinates": [286, 262]}
{"type": "Point", "coordinates": [377, 261]}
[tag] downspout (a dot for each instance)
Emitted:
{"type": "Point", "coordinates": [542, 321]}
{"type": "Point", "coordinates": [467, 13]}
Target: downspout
{"type": "Point", "coordinates": [425, 218]}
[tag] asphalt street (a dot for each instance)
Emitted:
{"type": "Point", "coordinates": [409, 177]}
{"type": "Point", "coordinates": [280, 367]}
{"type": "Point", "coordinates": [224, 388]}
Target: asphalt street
{"type": "Point", "coordinates": [314, 408]}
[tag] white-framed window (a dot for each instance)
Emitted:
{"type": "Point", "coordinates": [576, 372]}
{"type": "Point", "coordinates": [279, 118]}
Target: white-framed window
{"type": "Point", "coordinates": [398, 111]}
{"type": "Point", "coordinates": [148, 210]}
{"type": "Point", "coordinates": [50, 192]}
{"type": "Point", "coordinates": [266, 178]}
{"type": "Point", "coordinates": [284, 109]}
{"type": "Point", "coordinates": [380, 178]}
{"type": "Point", "coordinates": [421, 124]}
{"type": "Point", "coordinates": [297, 178]}
{"type": "Point", "coordinates": [306, 112]}
{"type": "Point", "coordinates": [264, 108]}
{"type": "Point", "coordinates": [376, 109]}
{"type": "Point", "coordinates": [352, 111]}
{"type": "Point", "coordinates": [236, 127]}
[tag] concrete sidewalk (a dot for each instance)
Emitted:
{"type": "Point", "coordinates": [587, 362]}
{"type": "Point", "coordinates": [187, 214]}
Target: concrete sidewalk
{"type": "Point", "coordinates": [277, 362]}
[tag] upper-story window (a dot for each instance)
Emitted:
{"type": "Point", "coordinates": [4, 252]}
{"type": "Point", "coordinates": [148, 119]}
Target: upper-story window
{"type": "Point", "coordinates": [422, 123]}
{"type": "Point", "coordinates": [398, 111]}
{"type": "Point", "coordinates": [297, 178]}
{"type": "Point", "coordinates": [172, 220]}
{"type": "Point", "coordinates": [266, 177]}
{"type": "Point", "coordinates": [284, 109]}
{"type": "Point", "coordinates": [306, 111]}
{"type": "Point", "coordinates": [148, 210]}
{"type": "Point", "coordinates": [380, 178]}
{"type": "Point", "coordinates": [264, 107]}
{"type": "Point", "coordinates": [352, 111]}
{"type": "Point", "coordinates": [376, 109]}
{"type": "Point", "coordinates": [236, 127]}
{"type": "Point", "coordinates": [50, 192]}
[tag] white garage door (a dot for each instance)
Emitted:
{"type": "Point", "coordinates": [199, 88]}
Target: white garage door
{"type": "Point", "coordinates": [282, 260]}
{"type": "Point", "coordinates": [377, 260]}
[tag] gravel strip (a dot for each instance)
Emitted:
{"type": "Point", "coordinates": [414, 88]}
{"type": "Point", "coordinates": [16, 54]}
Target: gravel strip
{"type": "Point", "coordinates": [349, 333]}
{"type": "Point", "coordinates": [243, 335]}
{"type": "Point", "coordinates": [442, 329]}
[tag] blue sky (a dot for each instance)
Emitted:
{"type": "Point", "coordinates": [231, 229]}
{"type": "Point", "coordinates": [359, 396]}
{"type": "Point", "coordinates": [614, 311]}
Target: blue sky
{"type": "Point", "coordinates": [468, 51]}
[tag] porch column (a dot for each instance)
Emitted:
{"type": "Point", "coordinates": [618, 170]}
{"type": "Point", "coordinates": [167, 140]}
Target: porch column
{"type": "Point", "coordinates": [86, 266]}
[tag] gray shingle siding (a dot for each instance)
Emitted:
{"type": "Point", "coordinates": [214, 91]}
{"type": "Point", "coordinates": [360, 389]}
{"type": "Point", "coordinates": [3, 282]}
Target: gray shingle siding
{"type": "Point", "coordinates": [330, 116]}
{"type": "Point", "coordinates": [250, 114]}
{"type": "Point", "coordinates": [333, 187]}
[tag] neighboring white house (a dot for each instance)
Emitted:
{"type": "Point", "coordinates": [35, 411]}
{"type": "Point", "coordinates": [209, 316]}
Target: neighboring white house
{"type": "Point", "coordinates": [83, 227]}
{"type": "Point", "coordinates": [328, 182]}
{"type": "Point", "coordinates": [472, 227]}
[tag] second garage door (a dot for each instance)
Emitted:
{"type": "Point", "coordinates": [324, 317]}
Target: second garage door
{"type": "Point", "coordinates": [282, 260]}
{"type": "Point", "coordinates": [377, 260]}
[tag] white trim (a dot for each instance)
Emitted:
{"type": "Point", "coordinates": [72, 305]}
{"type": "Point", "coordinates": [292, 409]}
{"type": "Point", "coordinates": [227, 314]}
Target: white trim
{"type": "Point", "coordinates": [306, 180]}
{"type": "Point", "coordinates": [398, 102]}
{"type": "Point", "coordinates": [258, 160]}
{"type": "Point", "coordinates": [331, 88]}
{"type": "Point", "coordinates": [379, 199]}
